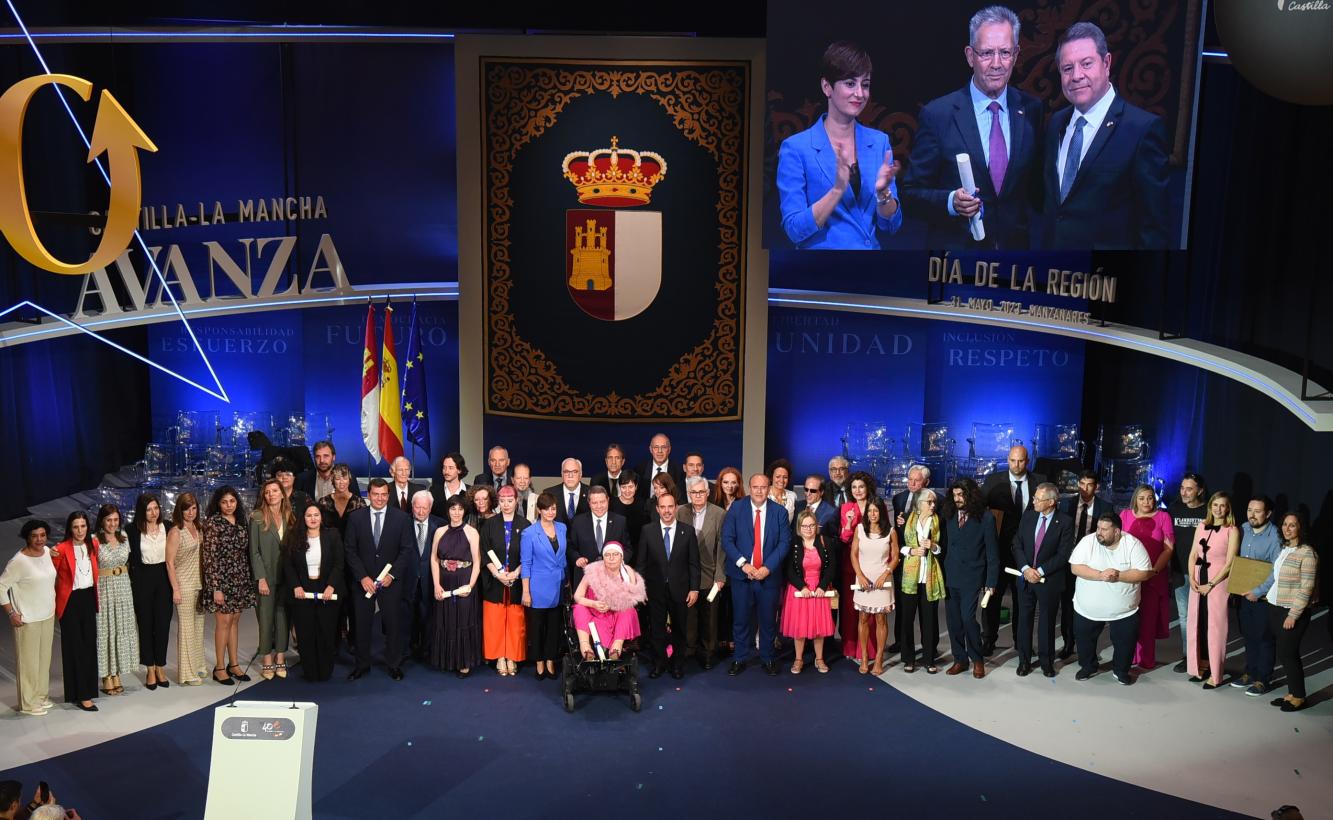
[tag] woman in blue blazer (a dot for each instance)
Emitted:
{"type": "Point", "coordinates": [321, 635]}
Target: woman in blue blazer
{"type": "Point", "coordinates": [542, 552]}
{"type": "Point", "coordinates": [835, 179]}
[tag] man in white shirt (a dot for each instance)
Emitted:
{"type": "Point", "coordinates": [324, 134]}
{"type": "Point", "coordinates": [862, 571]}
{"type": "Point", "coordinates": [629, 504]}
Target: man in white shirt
{"type": "Point", "coordinates": [571, 495]}
{"type": "Point", "coordinates": [1109, 564]}
{"type": "Point", "coordinates": [659, 450]}
{"type": "Point", "coordinates": [403, 488]}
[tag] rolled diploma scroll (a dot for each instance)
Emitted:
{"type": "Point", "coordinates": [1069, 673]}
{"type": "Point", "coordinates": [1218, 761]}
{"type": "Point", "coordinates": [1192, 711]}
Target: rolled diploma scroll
{"type": "Point", "coordinates": [384, 573]}
{"type": "Point", "coordinates": [826, 593]}
{"type": "Point", "coordinates": [970, 185]}
{"type": "Point", "coordinates": [859, 588]}
{"type": "Point", "coordinates": [596, 641]}
{"type": "Point", "coordinates": [1013, 571]}
{"type": "Point", "coordinates": [464, 589]}
{"type": "Point", "coordinates": [985, 599]}
{"type": "Point", "coordinates": [491, 555]}
{"type": "Point", "coordinates": [712, 593]}
{"type": "Point", "coordinates": [311, 596]}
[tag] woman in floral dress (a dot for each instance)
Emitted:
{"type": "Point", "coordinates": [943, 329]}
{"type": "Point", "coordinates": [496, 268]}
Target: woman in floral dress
{"type": "Point", "coordinates": [229, 586]}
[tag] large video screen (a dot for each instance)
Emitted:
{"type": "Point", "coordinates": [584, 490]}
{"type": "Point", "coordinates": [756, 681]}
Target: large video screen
{"type": "Point", "coordinates": [950, 125]}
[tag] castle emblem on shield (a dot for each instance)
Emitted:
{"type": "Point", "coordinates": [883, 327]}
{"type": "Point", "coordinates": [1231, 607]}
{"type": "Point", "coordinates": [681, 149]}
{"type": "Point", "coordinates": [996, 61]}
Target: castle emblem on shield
{"type": "Point", "coordinates": [613, 264]}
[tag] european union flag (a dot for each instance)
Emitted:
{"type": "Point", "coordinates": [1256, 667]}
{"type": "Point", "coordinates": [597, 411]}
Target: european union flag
{"type": "Point", "coordinates": [416, 418]}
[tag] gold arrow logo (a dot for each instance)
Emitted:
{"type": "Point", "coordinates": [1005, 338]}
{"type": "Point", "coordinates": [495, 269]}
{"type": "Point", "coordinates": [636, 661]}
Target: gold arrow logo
{"type": "Point", "coordinates": [114, 133]}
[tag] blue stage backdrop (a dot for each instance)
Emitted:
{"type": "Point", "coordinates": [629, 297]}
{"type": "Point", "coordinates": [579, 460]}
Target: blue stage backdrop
{"type": "Point", "coordinates": [828, 370]}
{"type": "Point", "coordinates": [308, 361]}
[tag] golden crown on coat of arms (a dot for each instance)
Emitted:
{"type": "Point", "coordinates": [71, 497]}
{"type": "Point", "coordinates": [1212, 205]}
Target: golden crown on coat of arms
{"type": "Point", "coordinates": [614, 177]}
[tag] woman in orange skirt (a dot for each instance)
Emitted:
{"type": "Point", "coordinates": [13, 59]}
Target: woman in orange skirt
{"type": "Point", "coordinates": [503, 629]}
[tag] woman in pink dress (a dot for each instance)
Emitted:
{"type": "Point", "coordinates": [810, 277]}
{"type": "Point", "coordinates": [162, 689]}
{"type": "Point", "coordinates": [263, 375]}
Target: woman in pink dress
{"type": "Point", "coordinates": [810, 572]}
{"type": "Point", "coordinates": [1154, 528]}
{"type": "Point", "coordinates": [1216, 545]}
{"type": "Point", "coordinates": [605, 599]}
{"type": "Point", "coordinates": [849, 518]}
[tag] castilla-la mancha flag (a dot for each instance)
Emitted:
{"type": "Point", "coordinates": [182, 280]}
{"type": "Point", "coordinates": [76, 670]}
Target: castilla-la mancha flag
{"type": "Point", "coordinates": [391, 413]}
{"type": "Point", "coordinates": [370, 389]}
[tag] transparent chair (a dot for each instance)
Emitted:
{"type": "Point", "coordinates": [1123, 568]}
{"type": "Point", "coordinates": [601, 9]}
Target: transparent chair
{"type": "Point", "coordinates": [1123, 459]}
{"type": "Point", "coordinates": [932, 444]}
{"type": "Point", "coordinates": [1058, 441]}
{"type": "Point", "coordinates": [869, 438]}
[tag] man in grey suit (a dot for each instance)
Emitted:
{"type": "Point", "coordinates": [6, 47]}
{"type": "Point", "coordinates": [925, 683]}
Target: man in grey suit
{"type": "Point", "coordinates": [707, 520]}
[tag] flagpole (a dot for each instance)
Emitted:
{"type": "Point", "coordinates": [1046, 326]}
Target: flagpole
{"type": "Point", "coordinates": [370, 303]}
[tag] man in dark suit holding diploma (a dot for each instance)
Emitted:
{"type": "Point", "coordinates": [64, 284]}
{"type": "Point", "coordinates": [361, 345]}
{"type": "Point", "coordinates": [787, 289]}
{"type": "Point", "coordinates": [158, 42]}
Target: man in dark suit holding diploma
{"type": "Point", "coordinates": [379, 536]}
{"type": "Point", "coordinates": [998, 127]}
{"type": "Point", "coordinates": [1042, 545]}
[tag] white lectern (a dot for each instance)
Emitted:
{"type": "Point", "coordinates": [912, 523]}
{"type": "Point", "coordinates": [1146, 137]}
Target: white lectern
{"type": "Point", "coordinates": [262, 747]}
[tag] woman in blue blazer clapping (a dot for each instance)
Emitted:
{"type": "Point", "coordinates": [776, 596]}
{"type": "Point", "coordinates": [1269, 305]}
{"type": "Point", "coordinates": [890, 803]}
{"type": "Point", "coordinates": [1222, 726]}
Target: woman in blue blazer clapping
{"type": "Point", "coordinates": [542, 553]}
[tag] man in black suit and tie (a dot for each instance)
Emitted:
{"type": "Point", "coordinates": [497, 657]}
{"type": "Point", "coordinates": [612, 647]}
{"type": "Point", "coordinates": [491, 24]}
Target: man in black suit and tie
{"type": "Point", "coordinates": [1009, 495]}
{"type": "Point", "coordinates": [318, 482]}
{"type": "Point", "coordinates": [971, 570]}
{"type": "Point", "coordinates": [497, 472]}
{"type": "Point", "coordinates": [998, 127]}
{"type": "Point", "coordinates": [668, 559]}
{"type": "Point", "coordinates": [419, 590]}
{"type": "Point", "coordinates": [918, 483]}
{"type": "Point", "coordinates": [1105, 167]}
{"type": "Point", "coordinates": [659, 448]}
{"type": "Point", "coordinates": [378, 536]}
{"type": "Point", "coordinates": [1083, 510]}
{"type": "Point", "coordinates": [1042, 545]}
{"type": "Point", "coordinates": [591, 530]}
{"type": "Point", "coordinates": [403, 488]}
{"type": "Point", "coordinates": [571, 494]}
{"type": "Point", "coordinates": [615, 466]}
{"type": "Point", "coordinates": [838, 490]}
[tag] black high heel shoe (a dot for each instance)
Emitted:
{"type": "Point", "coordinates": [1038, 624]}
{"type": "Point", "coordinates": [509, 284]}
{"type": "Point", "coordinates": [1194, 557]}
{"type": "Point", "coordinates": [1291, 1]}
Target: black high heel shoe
{"type": "Point", "coordinates": [226, 680]}
{"type": "Point", "coordinates": [92, 707]}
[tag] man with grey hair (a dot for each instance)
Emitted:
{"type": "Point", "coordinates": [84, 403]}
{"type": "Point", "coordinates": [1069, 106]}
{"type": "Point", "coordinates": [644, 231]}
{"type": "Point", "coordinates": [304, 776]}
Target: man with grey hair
{"type": "Point", "coordinates": [997, 127]}
{"type": "Point", "coordinates": [1041, 546]}
{"type": "Point", "coordinates": [402, 488]}
{"type": "Point", "coordinates": [419, 595]}
{"type": "Point", "coordinates": [701, 619]}
{"type": "Point", "coordinates": [1105, 164]}
{"type": "Point", "coordinates": [571, 494]}
{"type": "Point", "coordinates": [496, 473]}
{"type": "Point", "coordinates": [838, 491]}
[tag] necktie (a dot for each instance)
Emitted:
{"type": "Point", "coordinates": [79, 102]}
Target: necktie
{"type": "Point", "coordinates": [999, 153]}
{"type": "Point", "coordinates": [962, 518]}
{"type": "Point", "coordinates": [758, 557]}
{"type": "Point", "coordinates": [599, 536]}
{"type": "Point", "coordinates": [615, 486]}
{"type": "Point", "coordinates": [1036, 544]}
{"type": "Point", "coordinates": [1018, 496]}
{"type": "Point", "coordinates": [402, 501]}
{"type": "Point", "coordinates": [379, 526]}
{"type": "Point", "coordinates": [1082, 519]}
{"type": "Point", "coordinates": [572, 507]}
{"type": "Point", "coordinates": [1072, 158]}
{"type": "Point", "coordinates": [666, 540]}
{"type": "Point", "coordinates": [421, 538]}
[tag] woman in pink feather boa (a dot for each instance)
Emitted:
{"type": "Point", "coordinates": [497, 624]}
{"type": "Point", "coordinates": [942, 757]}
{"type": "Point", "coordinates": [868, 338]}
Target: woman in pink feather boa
{"type": "Point", "coordinates": [607, 597]}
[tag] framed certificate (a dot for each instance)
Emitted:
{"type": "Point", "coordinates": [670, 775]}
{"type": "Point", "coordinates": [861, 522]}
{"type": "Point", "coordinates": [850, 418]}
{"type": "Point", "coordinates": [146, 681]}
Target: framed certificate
{"type": "Point", "coordinates": [1246, 574]}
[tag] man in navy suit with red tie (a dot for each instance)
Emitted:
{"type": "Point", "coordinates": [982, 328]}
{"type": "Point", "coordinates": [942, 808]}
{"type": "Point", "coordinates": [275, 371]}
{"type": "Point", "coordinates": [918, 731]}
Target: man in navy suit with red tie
{"type": "Point", "coordinates": [756, 538]}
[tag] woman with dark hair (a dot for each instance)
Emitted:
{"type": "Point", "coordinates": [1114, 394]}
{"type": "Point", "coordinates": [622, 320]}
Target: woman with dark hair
{"type": "Point", "coordinates": [728, 487]}
{"type": "Point", "coordinates": [779, 483]}
{"type": "Point", "coordinates": [874, 556]}
{"type": "Point", "coordinates": [313, 567]}
{"type": "Point", "coordinates": [504, 632]}
{"type": "Point", "coordinates": [228, 583]}
{"type": "Point", "coordinates": [862, 488]}
{"type": "Point", "coordinates": [117, 631]}
{"type": "Point", "coordinates": [342, 502]}
{"type": "Point", "coordinates": [480, 499]}
{"type": "Point", "coordinates": [847, 208]}
{"type": "Point", "coordinates": [449, 483]}
{"type": "Point", "coordinates": [1216, 545]}
{"type": "Point", "coordinates": [454, 568]}
{"type": "Point", "coordinates": [627, 503]}
{"type": "Point", "coordinates": [184, 570]}
{"type": "Point", "coordinates": [268, 526]}
{"type": "Point", "coordinates": [1153, 527]}
{"type": "Point", "coordinates": [542, 555]}
{"type": "Point", "coordinates": [922, 583]}
{"type": "Point", "coordinates": [152, 587]}
{"type": "Point", "coordinates": [812, 570]}
{"type": "Point", "coordinates": [1289, 599]}
{"type": "Point", "coordinates": [660, 483]}
{"type": "Point", "coordinates": [28, 597]}
{"type": "Point", "coordinates": [75, 560]}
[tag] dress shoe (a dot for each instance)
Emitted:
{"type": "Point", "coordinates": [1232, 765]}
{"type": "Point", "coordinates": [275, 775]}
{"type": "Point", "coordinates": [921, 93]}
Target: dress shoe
{"type": "Point", "coordinates": [1180, 667]}
{"type": "Point", "coordinates": [1048, 671]}
{"type": "Point", "coordinates": [656, 673]}
{"type": "Point", "coordinates": [978, 670]}
{"type": "Point", "coordinates": [893, 649]}
{"type": "Point", "coordinates": [706, 663]}
{"type": "Point", "coordinates": [988, 648]}
{"type": "Point", "coordinates": [395, 673]}
{"type": "Point", "coordinates": [678, 673]}
{"type": "Point", "coordinates": [357, 674]}
{"type": "Point", "coordinates": [771, 669]}
{"type": "Point", "coordinates": [736, 668]}
{"type": "Point", "coordinates": [1123, 681]}
{"type": "Point", "coordinates": [1083, 674]}
{"type": "Point", "coordinates": [1293, 706]}
{"type": "Point", "coordinates": [1024, 669]}
{"type": "Point", "coordinates": [1066, 652]}
{"type": "Point", "coordinates": [956, 669]}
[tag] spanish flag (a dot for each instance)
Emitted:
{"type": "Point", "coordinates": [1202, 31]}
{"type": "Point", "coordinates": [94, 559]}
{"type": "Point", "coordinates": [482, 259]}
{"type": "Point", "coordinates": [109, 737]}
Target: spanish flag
{"type": "Point", "coordinates": [370, 389]}
{"type": "Point", "coordinates": [391, 414]}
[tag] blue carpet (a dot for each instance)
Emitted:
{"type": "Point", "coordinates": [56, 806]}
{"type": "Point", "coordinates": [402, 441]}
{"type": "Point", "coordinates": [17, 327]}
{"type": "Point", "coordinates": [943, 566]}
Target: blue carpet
{"type": "Point", "coordinates": [749, 746]}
